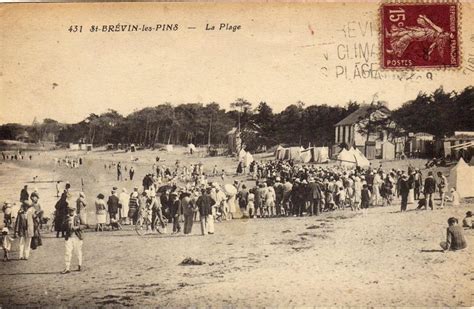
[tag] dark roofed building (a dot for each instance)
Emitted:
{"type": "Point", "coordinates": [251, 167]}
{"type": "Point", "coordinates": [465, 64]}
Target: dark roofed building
{"type": "Point", "coordinates": [347, 130]}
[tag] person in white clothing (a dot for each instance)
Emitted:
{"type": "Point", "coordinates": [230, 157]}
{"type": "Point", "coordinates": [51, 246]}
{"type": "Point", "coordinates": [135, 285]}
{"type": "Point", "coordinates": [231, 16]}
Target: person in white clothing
{"type": "Point", "coordinates": [123, 200]}
{"type": "Point", "coordinates": [270, 197]}
{"type": "Point", "coordinates": [73, 240]}
{"type": "Point", "coordinates": [455, 198]}
{"type": "Point", "coordinates": [377, 184]}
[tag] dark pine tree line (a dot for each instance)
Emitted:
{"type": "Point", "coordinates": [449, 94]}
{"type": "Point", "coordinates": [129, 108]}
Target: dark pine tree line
{"type": "Point", "coordinates": [440, 113]}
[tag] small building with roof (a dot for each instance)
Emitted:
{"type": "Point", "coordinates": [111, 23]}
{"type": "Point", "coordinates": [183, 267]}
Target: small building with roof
{"type": "Point", "coordinates": [347, 131]}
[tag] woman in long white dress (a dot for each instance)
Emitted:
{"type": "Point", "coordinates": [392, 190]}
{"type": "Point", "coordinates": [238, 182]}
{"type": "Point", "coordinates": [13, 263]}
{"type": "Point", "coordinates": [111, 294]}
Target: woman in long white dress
{"type": "Point", "coordinates": [124, 199]}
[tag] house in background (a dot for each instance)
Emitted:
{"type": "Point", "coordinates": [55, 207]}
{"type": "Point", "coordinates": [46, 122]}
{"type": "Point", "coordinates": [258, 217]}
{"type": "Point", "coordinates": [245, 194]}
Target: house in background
{"type": "Point", "coordinates": [420, 145]}
{"type": "Point", "coordinates": [460, 145]}
{"type": "Point", "coordinates": [24, 137]}
{"type": "Point", "coordinates": [347, 131]}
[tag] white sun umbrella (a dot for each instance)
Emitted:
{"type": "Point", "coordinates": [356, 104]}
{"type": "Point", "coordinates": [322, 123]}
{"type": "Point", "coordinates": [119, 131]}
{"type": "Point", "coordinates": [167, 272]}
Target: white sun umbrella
{"type": "Point", "coordinates": [229, 190]}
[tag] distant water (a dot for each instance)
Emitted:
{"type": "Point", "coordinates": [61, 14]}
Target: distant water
{"type": "Point", "coordinates": [13, 178]}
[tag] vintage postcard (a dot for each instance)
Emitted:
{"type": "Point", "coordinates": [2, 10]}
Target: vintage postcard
{"type": "Point", "coordinates": [237, 154]}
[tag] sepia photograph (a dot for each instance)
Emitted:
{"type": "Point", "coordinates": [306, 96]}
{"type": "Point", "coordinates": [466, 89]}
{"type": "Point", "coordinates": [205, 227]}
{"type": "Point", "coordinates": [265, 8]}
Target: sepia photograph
{"type": "Point", "coordinates": [187, 154]}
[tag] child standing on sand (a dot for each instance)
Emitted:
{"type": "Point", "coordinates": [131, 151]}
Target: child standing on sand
{"type": "Point", "coordinates": [251, 204]}
{"type": "Point", "coordinates": [6, 242]}
{"type": "Point", "coordinates": [7, 214]}
{"type": "Point", "coordinates": [341, 198]}
{"type": "Point", "coordinates": [57, 188]}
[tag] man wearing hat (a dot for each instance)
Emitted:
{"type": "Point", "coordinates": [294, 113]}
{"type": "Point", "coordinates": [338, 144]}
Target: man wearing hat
{"type": "Point", "coordinates": [278, 187]}
{"type": "Point", "coordinates": [113, 204]}
{"type": "Point", "coordinates": [287, 189]}
{"type": "Point", "coordinates": [205, 203]}
{"type": "Point", "coordinates": [73, 239]}
{"type": "Point", "coordinates": [443, 188]}
{"type": "Point", "coordinates": [315, 196]}
{"type": "Point", "coordinates": [155, 205]}
{"type": "Point", "coordinates": [296, 197]}
{"type": "Point", "coordinates": [24, 228]}
{"type": "Point", "coordinates": [429, 189]}
{"type": "Point", "coordinates": [418, 183]}
{"type": "Point", "coordinates": [176, 211]}
{"type": "Point", "coordinates": [404, 191]}
{"type": "Point", "coordinates": [188, 207]}
{"type": "Point", "coordinates": [24, 195]}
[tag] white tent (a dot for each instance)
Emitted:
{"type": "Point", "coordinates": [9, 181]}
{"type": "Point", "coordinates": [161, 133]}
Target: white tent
{"type": "Point", "coordinates": [74, 146]}
{"type": "Point", "coordinates": [280, 153]}
{"type": "Point", "coordinates": [248, 159]}
{"type": "Point", "coordinates": [345, 158]}
{"type": "Point", "coordinates": [169, 147]}
{"type": "Point", "coordinates": [362, 161]}
{"type": "Point", "coordinates": [352, 157]}
{"type": "Point", "coordinates": [242, 154]}
{"type": "Point", "coordinates": [279, 148]}
{"type": "Point", "coordinates": [320, 154]}
{"type": "Point", "coordinates": [388, 151]}
{"type": "Point", "coordinates": [462, 178]}
{"type": "Point", "coordinates": [293, 153]}
{"type": "Point", "coordinates": [306, 155]}
{"type": "Point", "coordinates": [191, 147]}
{"type": "Point", "coordinates": [314, 154]}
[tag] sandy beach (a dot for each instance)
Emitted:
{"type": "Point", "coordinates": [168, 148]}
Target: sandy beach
{"type": "Point", "coordinates": [340, 258]}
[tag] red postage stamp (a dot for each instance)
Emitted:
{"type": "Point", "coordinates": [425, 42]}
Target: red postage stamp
{"type": "Point", "coordinates": [420, 35]}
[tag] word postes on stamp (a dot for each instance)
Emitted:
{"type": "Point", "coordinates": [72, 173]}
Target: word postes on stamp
{"type": "Point", "coordinates": [420, 35]}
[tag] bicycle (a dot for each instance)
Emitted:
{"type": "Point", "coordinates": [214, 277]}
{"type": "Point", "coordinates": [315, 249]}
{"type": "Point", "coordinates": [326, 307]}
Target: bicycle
{"type": "Point", "coordinates": [143, 225]}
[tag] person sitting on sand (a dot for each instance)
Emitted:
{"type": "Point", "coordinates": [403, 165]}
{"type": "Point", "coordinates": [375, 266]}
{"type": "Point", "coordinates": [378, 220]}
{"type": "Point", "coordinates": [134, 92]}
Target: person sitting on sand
{"type": "Point", "coordinates": [467, 221]}
{"type": "Point", "coordinates": [421, 203]}
{"type": "Point", "coordinates": [454, 237]}
{"type": "Point", "coordinates": [455, 198]}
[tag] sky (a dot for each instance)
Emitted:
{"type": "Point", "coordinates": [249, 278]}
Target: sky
{"type": "Point", "coordinates": [282, 53]}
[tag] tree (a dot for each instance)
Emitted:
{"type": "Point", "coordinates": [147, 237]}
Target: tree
{"type": "Point", "coordinates": [242, 107]}
{"type": "Point", "coordinates": [375, 119]}
{"type": "Point", "coordinates": [439, 113]}
{"type": "Point", "coordinates": [264, 120]}
{"type": "Point", "coordinates": [290, 124]}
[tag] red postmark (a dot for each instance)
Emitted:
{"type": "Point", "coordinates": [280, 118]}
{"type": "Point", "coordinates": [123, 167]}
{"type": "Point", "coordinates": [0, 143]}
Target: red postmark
{"type": "Point", "coordinates": [420, 35]}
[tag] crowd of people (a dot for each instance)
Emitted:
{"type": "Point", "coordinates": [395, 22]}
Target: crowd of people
{"type": "Point", "coordinates": [18, 155]}
{"type": "Point", "coordinates": [185, 194]}
{"type": "Point", "coordinates": [69, 162]}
